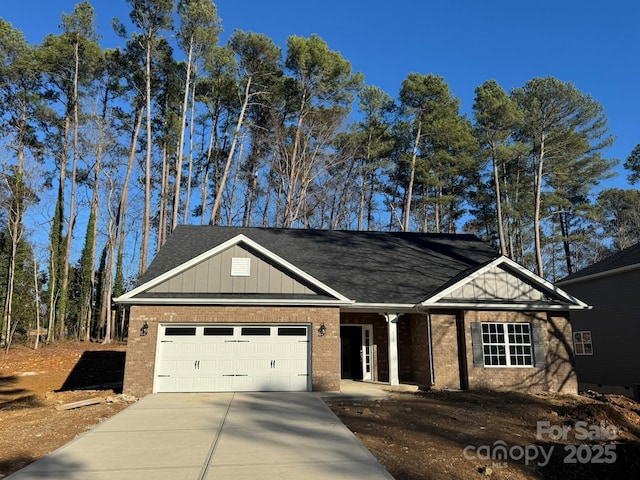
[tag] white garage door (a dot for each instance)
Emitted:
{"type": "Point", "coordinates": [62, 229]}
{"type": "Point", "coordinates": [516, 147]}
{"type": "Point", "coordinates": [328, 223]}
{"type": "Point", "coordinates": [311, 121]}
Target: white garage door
{"type": "Point", "coordinates": [230, 358]}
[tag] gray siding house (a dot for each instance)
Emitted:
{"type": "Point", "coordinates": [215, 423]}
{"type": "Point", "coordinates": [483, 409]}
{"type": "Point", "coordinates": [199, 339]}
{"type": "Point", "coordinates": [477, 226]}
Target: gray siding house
{"type": "Point", "coordinates": [605, 338]}
{"type": "Point", "coordinates": [253, 309]}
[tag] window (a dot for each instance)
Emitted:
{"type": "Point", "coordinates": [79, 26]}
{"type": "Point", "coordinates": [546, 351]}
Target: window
{"type": "Point", "coordinates": [180, 331]}
{"type": "Point", "coordinates": [582, 343]}
{"type": "Point", "coordinates": [256, 331]}
{"type": "Point", "coordinates": [507, 345]}
{"type": "Point", "coordinates": [292, 331]}
{"type": "Point", "coordinates": [218, 331]}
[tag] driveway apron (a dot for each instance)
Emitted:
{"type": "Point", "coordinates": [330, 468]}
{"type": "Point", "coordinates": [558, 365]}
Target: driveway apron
{"type": "Point", "coordinates": [207, 436]}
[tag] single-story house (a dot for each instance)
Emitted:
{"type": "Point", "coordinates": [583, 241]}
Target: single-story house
{"type": "Point", "coordinates": [257, 309]}
{"type": "Point", "coordinates": [605, 338]}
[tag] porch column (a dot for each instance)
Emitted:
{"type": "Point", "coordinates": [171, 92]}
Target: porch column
{"type": "Point", "coordinates": [392, 327]}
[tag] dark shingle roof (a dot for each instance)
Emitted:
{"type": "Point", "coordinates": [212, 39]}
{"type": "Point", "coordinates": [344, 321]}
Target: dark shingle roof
{"type": "Point", "coordinates": [368, 267]}
{"type": "Point", "coordinates": [624, 258]}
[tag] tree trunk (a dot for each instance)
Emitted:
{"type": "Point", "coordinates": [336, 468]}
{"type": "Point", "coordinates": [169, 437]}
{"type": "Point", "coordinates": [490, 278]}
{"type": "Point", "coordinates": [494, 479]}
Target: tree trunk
{"type": "Point", "coordinates": [234, 188]}
{"type": "Point", "coordinates": [293, 173]}
{"type": "Point", "coordinates": [564, 230]}
{"type": "Point", "coordinates": [236, 133]}
{"type": "Point", "coordinates": [37, 300]}
{"type": "Point", "coordinates": [537, 206]}
{"type": "Point", "coordinates": [16, 229]}
{"type": "Point", "coordinates": [499, 217]}
{"type": "Point", "coordinates": [187, 200]}
{"type": "Point", "coordinates": [146, 217]}
{"type": "Point", "coordinates": [363, 185]}
{"type": "Point", "coordinates": [412, 174]}
{"type": "Point", "coordinates": [183, 122]}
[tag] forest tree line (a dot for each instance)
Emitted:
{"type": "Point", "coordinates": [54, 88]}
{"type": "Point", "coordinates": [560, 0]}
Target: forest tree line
{"type": "Point", "coordinates": [175, 127]}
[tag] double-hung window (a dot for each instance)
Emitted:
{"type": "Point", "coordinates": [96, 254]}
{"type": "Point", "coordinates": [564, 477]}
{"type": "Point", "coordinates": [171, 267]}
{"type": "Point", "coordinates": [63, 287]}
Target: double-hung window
{"type": "Point", "coordinates": [507, 344]}
{"type": "Point", "coordinates": [582, 343]}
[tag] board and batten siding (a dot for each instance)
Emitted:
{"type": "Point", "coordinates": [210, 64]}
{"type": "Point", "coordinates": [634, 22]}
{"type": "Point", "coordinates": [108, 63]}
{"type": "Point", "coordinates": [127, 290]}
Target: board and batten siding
{"type": "Point", "coordinates": [214, 276]}
{"type": "Point", "coordinates": [496, 284]}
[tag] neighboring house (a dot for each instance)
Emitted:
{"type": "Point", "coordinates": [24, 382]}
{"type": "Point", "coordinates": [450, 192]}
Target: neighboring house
{"type": "Point", "coordinates": [250, 309]}
{"type": "Point", "coordinates": [606, 337]}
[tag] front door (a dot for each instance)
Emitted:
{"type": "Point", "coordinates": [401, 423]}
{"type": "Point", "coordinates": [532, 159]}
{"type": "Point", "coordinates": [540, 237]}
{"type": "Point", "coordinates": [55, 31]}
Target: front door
{"type": "Point", "coordinates": [355, 352]}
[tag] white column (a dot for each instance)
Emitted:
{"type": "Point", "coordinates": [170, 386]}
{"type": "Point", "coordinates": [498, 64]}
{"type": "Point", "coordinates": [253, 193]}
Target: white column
{"type": "Point", "coordinates": [392, 327]}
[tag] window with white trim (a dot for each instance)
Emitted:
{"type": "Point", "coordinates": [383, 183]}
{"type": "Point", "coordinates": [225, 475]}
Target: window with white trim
{"type": "Point", "coordinates": [507, 344]}
{"type": "Point", "coordinates": [582, 343]}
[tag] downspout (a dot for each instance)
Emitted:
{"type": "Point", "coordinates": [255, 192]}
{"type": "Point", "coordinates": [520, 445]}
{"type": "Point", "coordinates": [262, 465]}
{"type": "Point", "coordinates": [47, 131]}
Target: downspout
{"type": "Point", "coordinates": [432, 375]}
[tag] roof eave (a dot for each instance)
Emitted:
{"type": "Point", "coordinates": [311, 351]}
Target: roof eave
{"type": "Point", "coordinates": [504, 306]}
{"type": "Point", "coordinates": [229, 301]}
{"type": "Point", "coordinates": [595, 276]}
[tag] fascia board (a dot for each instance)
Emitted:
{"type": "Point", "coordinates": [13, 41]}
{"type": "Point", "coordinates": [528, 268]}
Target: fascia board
{"type": "Point", "coordinates": [504, 306]}
{"type": "Point", "coordinates": [227, 301]}
{"type": "Point", "coordinates": [216, 250]}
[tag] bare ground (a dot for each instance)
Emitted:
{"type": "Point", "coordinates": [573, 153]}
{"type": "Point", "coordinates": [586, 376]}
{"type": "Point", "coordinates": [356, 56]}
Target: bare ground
{"type": "Point", "coordinates": [422, 435]}
{"type": "Point", "coordinates": [34, 382]}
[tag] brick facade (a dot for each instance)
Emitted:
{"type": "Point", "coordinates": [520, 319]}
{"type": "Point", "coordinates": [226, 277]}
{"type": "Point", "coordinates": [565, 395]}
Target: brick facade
{"type": "Point", "coordinates": [141, 350]}
{"type": "Point", "coordinates": [444, 338]}
{"type": "Point", "coordinates": [451, 341]}
{"type": "Point", "coordinates": [558, 375]}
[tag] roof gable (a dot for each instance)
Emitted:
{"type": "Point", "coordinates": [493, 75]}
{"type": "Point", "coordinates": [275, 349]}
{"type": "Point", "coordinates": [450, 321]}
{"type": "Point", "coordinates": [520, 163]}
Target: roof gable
{"type": "Point", "coordinates": [217, 274]}
{"type": "Point", "coordinates": [209, 277]}
{"type": "Point", "coordinates": [503, 282]}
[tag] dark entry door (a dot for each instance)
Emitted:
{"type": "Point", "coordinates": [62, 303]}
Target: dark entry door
{"type": "Point", "coordinates": [350, 352]}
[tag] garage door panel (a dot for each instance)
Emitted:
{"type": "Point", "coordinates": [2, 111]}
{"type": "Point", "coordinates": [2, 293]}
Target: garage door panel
{"type": "Point", "coordinates": [209, 358]}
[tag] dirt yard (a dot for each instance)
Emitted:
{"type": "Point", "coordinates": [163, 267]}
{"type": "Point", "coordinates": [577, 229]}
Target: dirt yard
{"type": "Point", "coordinates": [424, 435]}
{"type": "Point", "coordinates": [34, 382]}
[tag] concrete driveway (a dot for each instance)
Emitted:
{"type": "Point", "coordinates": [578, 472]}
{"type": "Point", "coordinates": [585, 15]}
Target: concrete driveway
{"type": "Point", "coordinates": [208, 436]}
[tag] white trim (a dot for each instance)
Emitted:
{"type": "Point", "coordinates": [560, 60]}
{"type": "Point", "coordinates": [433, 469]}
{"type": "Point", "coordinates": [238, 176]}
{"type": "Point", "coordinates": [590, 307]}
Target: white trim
{"type": "Point", "coordinates": [215, 251]}
{"type": "Point", "coordinates": [507, 344]}
{"type": "Point", "coordinates": [228, 301]}
{"type": "Point", "coordinates": [377, 307]}
{"type": "Point", "coordinates": [392, 338]}
{"type": "Point", "coordinates": [434, 300]}
{"type": "Point", "coordinates": [607, 273]}
{"type": "Point", "coordinates": [504, 306]}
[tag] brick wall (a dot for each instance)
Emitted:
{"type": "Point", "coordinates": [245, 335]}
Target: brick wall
{"type": "Point", "coordinates": [558, 375]}
{"type": "Point", "coordinates": [446, 367]}
{"type": "Point", "coordinates": [141, 351]}
{"type": "Point", "coordinates": [419, 347]}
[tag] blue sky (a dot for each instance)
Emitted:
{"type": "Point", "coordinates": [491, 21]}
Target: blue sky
{"type": "Point", "coordinates": [592, 44]}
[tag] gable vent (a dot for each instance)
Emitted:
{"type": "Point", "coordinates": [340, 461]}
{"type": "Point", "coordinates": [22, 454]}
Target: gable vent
{"type": "Point", "coordinates": [240, 267]}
